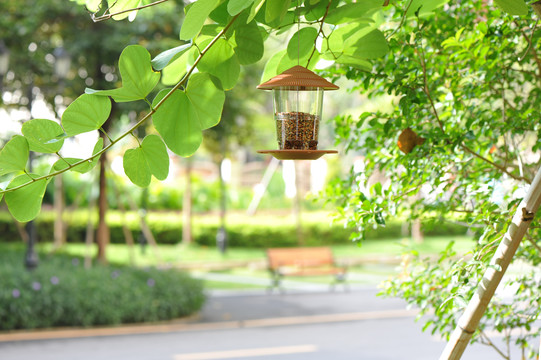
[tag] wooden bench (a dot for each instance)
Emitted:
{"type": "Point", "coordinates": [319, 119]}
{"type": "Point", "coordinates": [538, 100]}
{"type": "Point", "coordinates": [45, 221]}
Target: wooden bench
{"type": "Point", "coordinates": [305, 261]}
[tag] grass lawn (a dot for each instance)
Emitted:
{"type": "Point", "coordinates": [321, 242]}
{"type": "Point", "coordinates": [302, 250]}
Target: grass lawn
{"type": "Point", "coordinates": [193, 255]}
{"type": "Point", "coordinates": [375, 260]}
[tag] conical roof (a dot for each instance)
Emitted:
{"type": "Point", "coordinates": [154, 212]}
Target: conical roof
{"type": "Point", "coordinates": [297, 76]}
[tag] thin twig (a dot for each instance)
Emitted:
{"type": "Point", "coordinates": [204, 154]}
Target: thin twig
{"type": "Point", "coordinates": [529, 237]}
{"type": "Point", "coordinates": [534, 53]}
{"type": "Point", "coordinates": [110, 15]}
{"type": "Point", "coordinates": [529, 42]}
{"type": "Point", "coordinates": [322, 22]}
{"type": "Point", "coordinates": [401, 20]}
{"type": "Point", "coordinates": [139, 123]}
{"type": "Point", "coordinates": [486, 340]}
{"type": "Point", "coordinates": [499, 167]}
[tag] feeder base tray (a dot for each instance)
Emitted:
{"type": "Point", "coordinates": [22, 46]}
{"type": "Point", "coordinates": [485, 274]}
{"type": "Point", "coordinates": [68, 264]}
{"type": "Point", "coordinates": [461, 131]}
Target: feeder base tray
{"type": "Point", "coordinates": [297, 154]}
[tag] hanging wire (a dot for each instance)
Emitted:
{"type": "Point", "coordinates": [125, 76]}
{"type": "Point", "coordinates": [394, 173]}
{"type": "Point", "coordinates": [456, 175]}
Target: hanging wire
{"type": "Point", "coordinates": [297, 10]}
{"type": "Point", "coordinates": [298, 34]}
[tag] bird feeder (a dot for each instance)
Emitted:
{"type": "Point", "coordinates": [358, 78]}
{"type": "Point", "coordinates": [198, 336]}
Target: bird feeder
{"type": "Point", "coordinates": [298, 102]}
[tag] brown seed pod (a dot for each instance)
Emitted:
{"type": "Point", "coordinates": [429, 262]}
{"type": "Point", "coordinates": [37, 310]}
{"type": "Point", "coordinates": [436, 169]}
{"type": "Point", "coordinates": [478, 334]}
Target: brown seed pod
{"type": "Point", "coordinates": [408, 139]}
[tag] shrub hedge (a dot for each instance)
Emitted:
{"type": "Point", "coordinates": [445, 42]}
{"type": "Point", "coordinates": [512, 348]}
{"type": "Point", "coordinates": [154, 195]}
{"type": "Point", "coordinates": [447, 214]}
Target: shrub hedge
{"type": "Point", "coordinates": [60, 292]}
{"type": "Point", "coordinates": [242, 230]}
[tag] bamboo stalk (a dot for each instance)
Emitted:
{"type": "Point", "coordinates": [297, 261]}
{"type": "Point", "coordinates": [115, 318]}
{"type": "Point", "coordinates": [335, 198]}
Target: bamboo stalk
{"type": "Point", "coordinates": [469, 321]}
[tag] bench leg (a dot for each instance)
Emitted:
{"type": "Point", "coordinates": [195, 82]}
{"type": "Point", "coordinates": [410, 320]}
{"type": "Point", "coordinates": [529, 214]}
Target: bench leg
{"type": "Point", "coordinates": [276, 281]}
{"type": "Point", "coordinates": [340, 278]}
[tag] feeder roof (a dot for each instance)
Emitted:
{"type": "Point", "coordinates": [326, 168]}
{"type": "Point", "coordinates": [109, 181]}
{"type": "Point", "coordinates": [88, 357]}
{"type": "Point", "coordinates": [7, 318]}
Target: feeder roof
{"type": "Point", "coordinates": [297, 76]}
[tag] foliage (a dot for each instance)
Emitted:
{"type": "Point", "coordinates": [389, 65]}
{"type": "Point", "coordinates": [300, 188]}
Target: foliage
{"type": "Point", "coordinates": [466, 80]}
{"type": "Point", "coordinates": [63, 293]}
{"type": "Point", "coordinates": [245, 231]}
{"type": "Point", "coordinates": [203, 71]}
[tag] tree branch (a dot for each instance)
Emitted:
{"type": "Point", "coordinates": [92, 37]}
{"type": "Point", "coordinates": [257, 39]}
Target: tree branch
{"type": "Point", "coordinates": [401, 20]}
{"type": "Point", "coordinates": [499, 167]}
{"type": "Point", "coordinates": [110, 15]}
{"type": "Point", "coordinates": [322, 22]}
{"type": "Point", "coordinates": [532, 50]}
{"type": "Point", "coordinates": [139, 123]}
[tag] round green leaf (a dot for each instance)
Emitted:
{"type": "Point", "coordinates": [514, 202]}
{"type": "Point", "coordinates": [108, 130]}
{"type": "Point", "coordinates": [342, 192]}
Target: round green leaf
{"type": "Point", "coordinates": [177, 122]}
{"type": "Point", "coordinates": [351, 12]}
{"type": "Point", "coordinates": [177, 68]}
{"type": "Point", "coordinates": [136, 167]}
{"type": "Point", "coordinates": [236, 6]}
{"type": "Point", "coordinates": [276, 10]}
{"type": "Point", "coordinates": [195, 18]}
{"type": "Point", "coordinates": [221, 61]}
{"type": "Point", "coordinates": [82, 168]}
{"type": "Point", "coordinates": [355, 62]}
{"type": "Point", "coordinates": [86, 113]}
{"type": "Point", "coordinates": [43, 135]}
{"type": "Point", "coordinates": [156, 156]}
{"type": "Point", "coordinates": [249, 43]}
{"type": "Point", "coordinates": [121, 5]}
{"type": "Point", "coordinates": [25, 203]}
{"type": "Point", "coordinates": [206, 99]}
{"type": "Point", "coordinates": [255, 9]}
{"type": "Point", "coordinates": [371, 46]}
{"type": "Point", "coordinates": [138, 77]}
{"type": "Point", "coordinates": [271, 67]}
{"type": "Point", "coordinates": [302, 43]}
{"type": "Point", "coordinates": [14, 155]}
{"type": "Point", "coordinates": [425, 7]}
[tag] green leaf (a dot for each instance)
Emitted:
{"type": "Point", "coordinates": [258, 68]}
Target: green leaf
{"type": "Point", "coordinates": [93, 5]}
{"type": "Point", "coordinates": [164, 58]}
{"type": "Point", "coordinates": [25, 203]}
{"type": "Point", "coordinates": [249, 45]}
{"type": "Point", "coordinates": [371, 46]}
{"type": "Point", "coordinates": [41, 135]}
{"type": "Point", "coordinates": [136, 167]}
{"type": "Point", "coordinates": [14, 155]}
{"type": "Point", "coordinates": [177, 122]}
{"type": "Point", "coordinates": [255, 9]}
{"type": "Point", "coordinates": [138, 77]}
{"type": "Point", "coordinates": [121, 5]}
{"type": "Point", "coordinates": [195, 18]}
{"type": "Point", "coordinates": [150, 158]}
{"type": "Point", "coordinates": [85, 167]}
{"type": "Point", "coordinates": [206, 99]}
{"type": "Point", "coordinates": [287, 62]}
{"type": "Point", "coordinates": [302, 43]}
{"type": "Point", "coordinates": [236, 6]}
{"type": "Point", "coordinates": [355, 62]}
{"type": "Point", "coordinates": [380, 220]}
{"type": "Point", "coordinates": [175, 71]}
{"type": "Point", "coordinates": [351, 12]}
{"type": "Point", "coordinates": [276, 10]}
{"type": "Point", "coordinates": [425, 7]}
{"type": "Point", "coordinates": [221, 61]}
{"type": "Point", "coordinates": [156, 156]}
{"type": "Point", "coordinates": [513, 7]}
{"type": "Point", "coordinates": [271, 67]}
{"type": "Point", "coordinates": [86, 113]}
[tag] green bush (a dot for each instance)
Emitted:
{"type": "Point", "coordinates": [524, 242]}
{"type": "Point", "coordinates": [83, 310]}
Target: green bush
{"type": "Point", "coordinates": [261, 231]}
{"type": "Point", "coordinates": [60, 292]}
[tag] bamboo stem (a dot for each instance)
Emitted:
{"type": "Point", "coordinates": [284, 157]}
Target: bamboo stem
{"type": "Point", "coordinates": [469, 321]}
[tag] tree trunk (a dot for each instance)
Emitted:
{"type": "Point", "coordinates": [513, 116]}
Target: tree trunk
{"type": "Point", "coordinates": [417, 232]}
{"type": "Point", "coordinates": [102, 235]}
{"type": "Point", "coordinates": [59, 204]}
{"type": "Point", "coordinates": [468, 322]}
{"type": "Point", "coordinates": [187, 206]}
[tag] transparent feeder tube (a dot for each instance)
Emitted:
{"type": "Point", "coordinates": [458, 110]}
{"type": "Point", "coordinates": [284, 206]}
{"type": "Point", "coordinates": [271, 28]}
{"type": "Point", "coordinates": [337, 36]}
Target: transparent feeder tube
{"type": "Point", "coordinates": [297, 112]}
